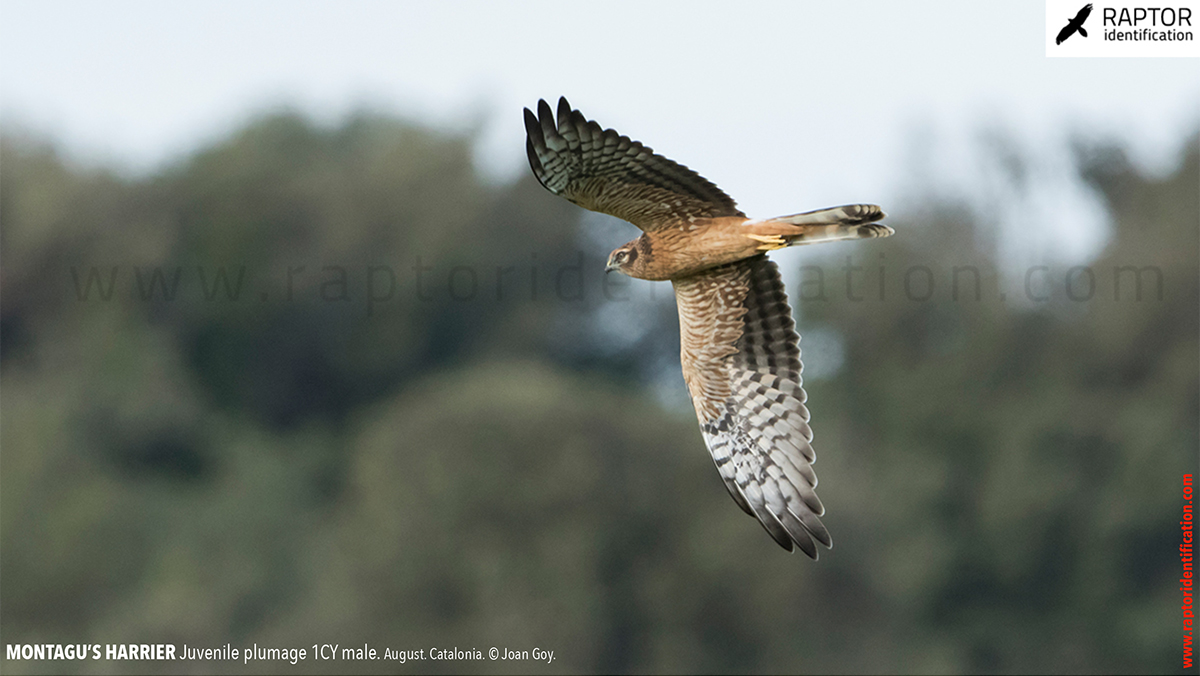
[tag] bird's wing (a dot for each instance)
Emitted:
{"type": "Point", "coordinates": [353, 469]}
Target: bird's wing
{"type": "Point", "coordinates": [741, 361]}
{"type": "Point", "coordinates": [601, 170]}
{"type": "Point", "coordinates": [1082, 15]}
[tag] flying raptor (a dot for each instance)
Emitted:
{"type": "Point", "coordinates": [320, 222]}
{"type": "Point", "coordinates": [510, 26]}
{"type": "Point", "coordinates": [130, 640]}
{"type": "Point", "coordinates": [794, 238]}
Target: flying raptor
{"type": "Point", "coordinates": [1075, 24]}
{"type": "Point", "coordinates": [738, 344]}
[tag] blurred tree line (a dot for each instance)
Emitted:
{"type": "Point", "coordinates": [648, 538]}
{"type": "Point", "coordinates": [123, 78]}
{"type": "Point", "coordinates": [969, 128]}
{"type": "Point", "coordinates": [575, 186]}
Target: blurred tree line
{"type": "Point", "coordinates": [328, 385]}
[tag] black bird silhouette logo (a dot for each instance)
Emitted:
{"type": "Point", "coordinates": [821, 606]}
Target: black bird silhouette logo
{"type": "Point", "coordinates": [1075, 24]}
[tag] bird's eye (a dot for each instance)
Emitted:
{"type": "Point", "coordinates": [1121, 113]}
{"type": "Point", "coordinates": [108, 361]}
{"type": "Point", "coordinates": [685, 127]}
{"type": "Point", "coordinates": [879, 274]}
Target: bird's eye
{"type": "Point", "coordinates": [621, 256]}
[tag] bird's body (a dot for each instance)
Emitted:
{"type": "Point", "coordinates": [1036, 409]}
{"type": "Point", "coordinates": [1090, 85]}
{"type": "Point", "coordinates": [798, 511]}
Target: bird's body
{"type": "Point", "coordinates": [738, 347]}
{"type": "Point", "coordinates": [689, 248]}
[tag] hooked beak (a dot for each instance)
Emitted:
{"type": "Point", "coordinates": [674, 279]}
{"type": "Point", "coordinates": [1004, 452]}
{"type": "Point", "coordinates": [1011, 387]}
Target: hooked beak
{"type": "Point", "coordinates": [609, 268]}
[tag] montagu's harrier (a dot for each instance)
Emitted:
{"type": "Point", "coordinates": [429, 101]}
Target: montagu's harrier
{"type": "Point", "coordinates": [739, 347]}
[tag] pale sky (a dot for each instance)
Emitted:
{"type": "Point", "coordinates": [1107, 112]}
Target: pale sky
{"type": "Point", "coordinates": [787, 106]}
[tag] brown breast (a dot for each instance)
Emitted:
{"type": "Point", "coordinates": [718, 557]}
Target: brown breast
{"type": "Point", "coordinates": [688, 248]}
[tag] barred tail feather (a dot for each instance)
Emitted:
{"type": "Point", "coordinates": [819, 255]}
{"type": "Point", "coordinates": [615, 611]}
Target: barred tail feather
{"type": "Point", "coordinates": [847, 214]}
{"type": "Point", "coordinates": [852, 221]}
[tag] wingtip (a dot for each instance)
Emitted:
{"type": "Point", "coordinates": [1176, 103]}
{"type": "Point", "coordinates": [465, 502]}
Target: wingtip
{"type": "Point", "coordinates": [546, 119]}
{"type": "Point", "coordinates": [535, 162]}
{"type": "Point", "coordinates": [533, 129]}
{"type": "Point", "coordinates": [785, 541]}
{"type": "Point", "coordinates": [820, 533]}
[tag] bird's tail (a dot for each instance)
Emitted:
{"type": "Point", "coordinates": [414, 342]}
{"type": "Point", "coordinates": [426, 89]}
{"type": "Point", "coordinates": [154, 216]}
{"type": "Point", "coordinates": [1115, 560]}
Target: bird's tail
{"type": "Point", "coordinates": [851, 221]}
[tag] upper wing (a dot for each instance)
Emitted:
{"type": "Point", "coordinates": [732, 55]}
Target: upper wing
{"type": "Point", "coordinates": [606, 172]}
{"type": "Point", "coordinates": [1083, 14]}
{"type": "Point", "coordinates": [741, 361]}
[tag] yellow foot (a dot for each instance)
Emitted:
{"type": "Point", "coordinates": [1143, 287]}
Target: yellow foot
{"type": "Point", "coordinates": [769, 242]}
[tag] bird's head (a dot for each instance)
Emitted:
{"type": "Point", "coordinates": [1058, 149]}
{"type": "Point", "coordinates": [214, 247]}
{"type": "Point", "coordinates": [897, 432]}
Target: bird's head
{"type": "Point", "coordinates": [625, 259]}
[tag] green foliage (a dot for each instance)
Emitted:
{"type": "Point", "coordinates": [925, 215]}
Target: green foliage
{"type": "Point", "coordinates": [300, 461]}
